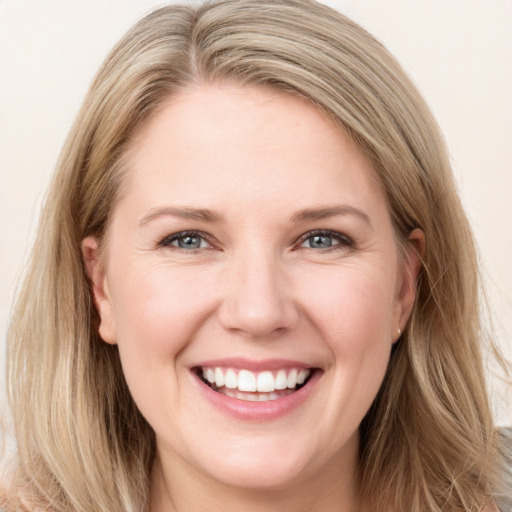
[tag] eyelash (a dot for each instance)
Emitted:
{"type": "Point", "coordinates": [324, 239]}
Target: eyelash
{"type": "Point", "coordinates": [168, 240]}
{"type": "Point", "coordinates": [344, 240]}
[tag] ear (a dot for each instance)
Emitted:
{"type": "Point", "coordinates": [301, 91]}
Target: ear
{"type": "Point", "coordinates": [102, 301]}
{"type": "Point", "coordinates": [413, 253]}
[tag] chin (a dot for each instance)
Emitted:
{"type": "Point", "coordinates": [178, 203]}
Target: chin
{"type": "Point", "coordinates": [259, 475]}
{"type": "Point", "coordinates": [262, 462]}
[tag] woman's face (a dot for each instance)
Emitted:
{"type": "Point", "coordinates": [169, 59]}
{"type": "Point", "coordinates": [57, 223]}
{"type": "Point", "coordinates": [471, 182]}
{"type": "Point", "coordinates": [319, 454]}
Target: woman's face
{"type": "Point", "coordinates": [253, 286]}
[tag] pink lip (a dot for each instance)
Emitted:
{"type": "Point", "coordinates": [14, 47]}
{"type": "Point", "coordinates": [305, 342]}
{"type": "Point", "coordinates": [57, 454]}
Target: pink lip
{"type": "Point", "coordinates": [252, 365]}
{"type": "Point", "coordinates": [257, 411]}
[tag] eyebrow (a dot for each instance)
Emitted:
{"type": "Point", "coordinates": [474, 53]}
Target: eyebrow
{"type": "Point", "coordinates": [210, 216]}
{"type": "Point", "coordinates": [201, 214]}
{"type": "Point", "coordinates": [309, 214]}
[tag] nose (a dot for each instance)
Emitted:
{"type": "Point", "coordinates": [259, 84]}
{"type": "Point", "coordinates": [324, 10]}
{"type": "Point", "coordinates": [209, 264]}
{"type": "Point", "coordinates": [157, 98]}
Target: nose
{"type": "Point", "coordinates": [258, 300]}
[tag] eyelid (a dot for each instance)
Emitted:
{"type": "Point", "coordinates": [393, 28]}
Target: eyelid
{"type": "Point", "coordinates": [166, 242]}
{"type": "Point", "coordinates": [345, 240]}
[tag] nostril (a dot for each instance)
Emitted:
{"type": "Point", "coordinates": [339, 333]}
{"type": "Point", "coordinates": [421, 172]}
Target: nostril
{"type": "Point", "coordinates": [257, 300]}
{"type": "Point", "coordinates": [258, 318]}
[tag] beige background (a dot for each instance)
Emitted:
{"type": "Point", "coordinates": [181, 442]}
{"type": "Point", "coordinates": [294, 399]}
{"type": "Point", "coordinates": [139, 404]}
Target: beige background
{"type": "Point", "coordinates": [459, 52]}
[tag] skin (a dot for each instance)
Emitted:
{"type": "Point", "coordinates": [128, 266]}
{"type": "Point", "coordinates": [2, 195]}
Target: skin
{"type": "Point", "coordinates": [256, 288]}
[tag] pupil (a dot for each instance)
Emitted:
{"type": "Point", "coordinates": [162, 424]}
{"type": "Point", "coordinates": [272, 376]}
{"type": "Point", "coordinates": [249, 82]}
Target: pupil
{"type": "Point", "coordinates": [189, 241]}
{"type": "Point", "coordinates": [321, 241]}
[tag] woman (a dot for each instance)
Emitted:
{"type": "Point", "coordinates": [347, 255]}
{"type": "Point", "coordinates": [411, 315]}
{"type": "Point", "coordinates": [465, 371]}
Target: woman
{"type": "Point", "coordinates": [254, 287]}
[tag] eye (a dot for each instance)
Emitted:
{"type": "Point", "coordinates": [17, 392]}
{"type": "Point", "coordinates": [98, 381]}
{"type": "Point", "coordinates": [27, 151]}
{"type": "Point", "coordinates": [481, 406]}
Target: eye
{"type": "Point", "coordinates": [322, 239]}
{"type": "Point", "coordinates": [187, 240]}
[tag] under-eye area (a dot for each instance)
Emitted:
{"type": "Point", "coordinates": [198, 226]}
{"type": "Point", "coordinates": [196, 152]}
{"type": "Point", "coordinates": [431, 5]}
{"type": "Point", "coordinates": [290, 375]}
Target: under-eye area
{"type": "Point", "coordinates": [255, 386]}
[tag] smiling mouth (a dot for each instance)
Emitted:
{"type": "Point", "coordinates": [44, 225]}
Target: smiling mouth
{"type": "Point", "coordinates": [254, 386]}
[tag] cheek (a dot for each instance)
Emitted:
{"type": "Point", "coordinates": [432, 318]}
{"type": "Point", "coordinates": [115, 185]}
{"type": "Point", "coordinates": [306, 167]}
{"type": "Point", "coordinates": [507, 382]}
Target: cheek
{"type": "Point", "coordinates": [353, 306]}
{"type": "Point", "coordinates": [354, 314]}
{"type": "Point", "coordinates": [157, 309]}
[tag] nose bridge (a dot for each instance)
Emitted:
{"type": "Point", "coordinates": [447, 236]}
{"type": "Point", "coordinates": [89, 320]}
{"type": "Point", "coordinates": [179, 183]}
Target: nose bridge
{"type": "Point", "coordinates": [257, 300]}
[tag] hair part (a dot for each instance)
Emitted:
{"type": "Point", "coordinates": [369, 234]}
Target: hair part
{"type": "Point", "coordinates": [428, 442]}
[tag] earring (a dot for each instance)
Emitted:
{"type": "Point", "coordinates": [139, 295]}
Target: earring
{"type": "Point", "coordinates": [399, 332]}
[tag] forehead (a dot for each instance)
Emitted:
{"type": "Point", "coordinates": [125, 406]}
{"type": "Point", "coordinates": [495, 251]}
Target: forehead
{"type": "Point", "coordinates": [218, 144]}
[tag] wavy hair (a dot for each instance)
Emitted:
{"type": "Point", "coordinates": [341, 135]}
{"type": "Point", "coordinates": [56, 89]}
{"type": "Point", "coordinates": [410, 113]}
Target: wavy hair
{"type": "Point", "coordinates": [428, 442]}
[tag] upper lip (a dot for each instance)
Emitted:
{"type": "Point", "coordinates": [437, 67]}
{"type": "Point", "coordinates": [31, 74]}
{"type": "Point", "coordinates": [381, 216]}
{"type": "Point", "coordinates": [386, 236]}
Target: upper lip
{"type": "Point", "coordinates": [255, 365]}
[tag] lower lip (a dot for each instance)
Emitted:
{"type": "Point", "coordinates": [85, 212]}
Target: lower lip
{"type": "Point", "coordinates": [259, 411]}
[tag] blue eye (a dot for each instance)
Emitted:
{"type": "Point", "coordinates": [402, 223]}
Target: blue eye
{"type": "Point", "coordinates": [188, 240]}
{"type": "Point", "coordinates": [325, 240]}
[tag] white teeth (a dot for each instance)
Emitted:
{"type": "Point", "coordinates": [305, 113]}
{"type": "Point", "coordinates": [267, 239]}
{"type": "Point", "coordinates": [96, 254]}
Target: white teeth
{"type": "Point", "coordinates": [292, 378]}
{"type": "Point", "coordinates": [281, 380]}
{"type": "Point", "coordinates": [210, 375]}
{"type": "Point", "coordinates": [302, 375]}
{"type": "Point", "coordinates": [219, 378]}
{"type": "Point", "coordinates": [265, 382]}
{"type": "Point", "coordinates": [247, 382]}
{"type": "Point", "coordinates": [231, 381]}
{"type": "Point", "coordinates": [255, 397]}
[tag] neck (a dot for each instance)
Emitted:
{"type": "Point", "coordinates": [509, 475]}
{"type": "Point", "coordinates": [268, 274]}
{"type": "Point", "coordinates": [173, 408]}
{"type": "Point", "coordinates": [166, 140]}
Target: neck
{"type": "Point", "coordinates": [177, 487]}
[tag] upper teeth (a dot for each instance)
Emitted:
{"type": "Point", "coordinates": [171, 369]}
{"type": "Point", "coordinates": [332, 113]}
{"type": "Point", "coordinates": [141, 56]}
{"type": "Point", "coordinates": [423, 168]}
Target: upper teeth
{"type": "Point", "coordinates": [245, 380]}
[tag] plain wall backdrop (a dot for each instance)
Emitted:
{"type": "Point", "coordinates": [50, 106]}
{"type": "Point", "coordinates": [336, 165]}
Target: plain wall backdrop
{"type": "Point", "coordinates": [459, 53]}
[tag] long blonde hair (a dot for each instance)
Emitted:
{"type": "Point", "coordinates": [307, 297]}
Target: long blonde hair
{"type": "Point", "coordinates": [428, 442]}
